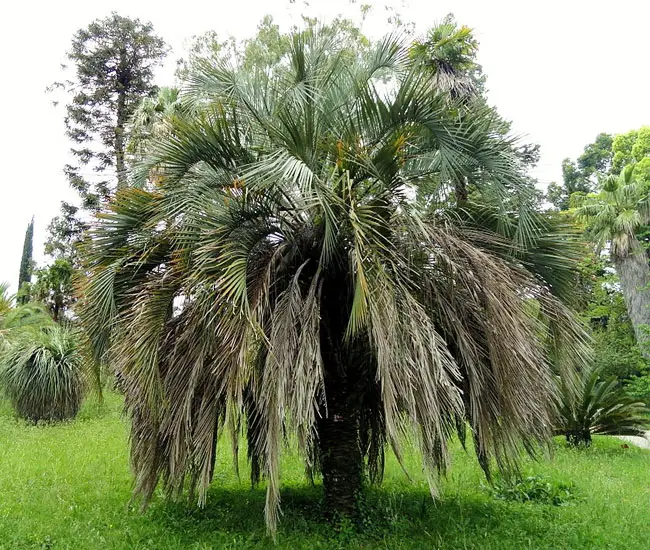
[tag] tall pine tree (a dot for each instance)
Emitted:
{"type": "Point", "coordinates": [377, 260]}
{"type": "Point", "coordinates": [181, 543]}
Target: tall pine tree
{"type": "Point", "coordinates": [113, 62]}
{"type": "Point", "coordinates": [26, 265]}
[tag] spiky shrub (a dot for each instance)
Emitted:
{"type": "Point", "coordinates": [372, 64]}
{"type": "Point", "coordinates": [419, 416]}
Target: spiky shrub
{"type": "Point", "coordinates": [41, 373]}
{"type": "Point", "coordinates": [591, 405]}
{"type": "Point", "coordinates": [279, 275]}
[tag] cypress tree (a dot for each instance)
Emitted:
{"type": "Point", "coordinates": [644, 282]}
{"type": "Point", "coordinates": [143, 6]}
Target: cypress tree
{"type": "Point", "coordinates": [26, 264]}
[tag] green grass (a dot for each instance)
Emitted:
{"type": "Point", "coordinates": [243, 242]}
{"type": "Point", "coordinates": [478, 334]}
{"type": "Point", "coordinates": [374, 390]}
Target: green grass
{"type": "Point", "coordinates": [68, 486]}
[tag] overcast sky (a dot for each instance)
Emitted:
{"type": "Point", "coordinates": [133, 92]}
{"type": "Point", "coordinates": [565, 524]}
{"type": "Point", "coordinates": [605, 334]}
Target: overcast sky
{"type": "Point", "coordinates": [562, 71]}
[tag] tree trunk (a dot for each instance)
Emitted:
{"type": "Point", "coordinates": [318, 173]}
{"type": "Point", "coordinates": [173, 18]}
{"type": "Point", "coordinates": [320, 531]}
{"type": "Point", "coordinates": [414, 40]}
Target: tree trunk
{"type": "Point", "coordinates": [579, 438]}
{"type": "Point", "coordinates": [634, 272]}
{"type": "Point", "coordinates": [122, 117]}
{"type": "Point", "coordinates": [340, 456]}
{"type": "Point", "coordinates": [460, 187]}
{"type": "Point", "coordinates": [120, 165]}
{"type": "Point", "coordinates": [339, 446]}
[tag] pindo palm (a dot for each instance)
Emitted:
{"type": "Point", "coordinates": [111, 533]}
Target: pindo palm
{"type": "Point", "coordinates": [281, 276]}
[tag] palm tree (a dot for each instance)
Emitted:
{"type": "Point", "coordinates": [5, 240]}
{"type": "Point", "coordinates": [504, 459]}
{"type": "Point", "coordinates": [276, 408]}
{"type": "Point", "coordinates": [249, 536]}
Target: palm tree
{"type": "Point", "coordinates": [148, 119]}
{"type": "Point", "coordinates": [14, 320]}
{"type": "Point", "coordinates": [597, 406]}
{"type": "Point", "coordinates": [281, 276]}
{"type": "Point", "coordinates": [41, 372]}
{"type": "Point", "coordinates": [613, 217]}
{"type": "Point", "coordinates": [449, 52]}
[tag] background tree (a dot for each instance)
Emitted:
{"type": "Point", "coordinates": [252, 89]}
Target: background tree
{"type": "Point", "coordinates": [268, 48]}
{"type": "Point", "coordinates": [26, 265]}
{"type": "Point", "coordinates": [613, 217]}
{"type": "Point", "coordinates": [54, 288]}
{"type": "Point", "coordinates": [582, 176]}
{"type": "Point", "coordinates": [633, 148]}
{"type": "Point", "coordinates": [113, 60]}
{"type": "Point", "coordinates": [65, 233]}
{"type": "Point", "coordinates": [449, 53]}
{"type": "Point", "coordinates": [309, 284]}
{"type": "Point", "coordinates": [603, 308]}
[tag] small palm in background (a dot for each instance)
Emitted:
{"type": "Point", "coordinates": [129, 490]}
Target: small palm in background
{"type": "Point", "coordinates": [41, 367]}
{"type": "Point", "coordinates": [41, 373]}
{"type": "Point", "coordinates": [596, 405]}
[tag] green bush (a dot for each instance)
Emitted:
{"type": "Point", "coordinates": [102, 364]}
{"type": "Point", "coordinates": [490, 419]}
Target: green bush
{"type": "Point", "coordinates": [638, 387]}
{"type": "Point", "coordinates": [41, 374]}
{"type": "Point", "coordinates": [534, 489]}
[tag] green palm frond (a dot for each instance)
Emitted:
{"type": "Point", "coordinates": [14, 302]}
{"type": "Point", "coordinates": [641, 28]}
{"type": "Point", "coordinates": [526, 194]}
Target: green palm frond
{"type": "Point", "coordinates": [6, 300]}
{"type": "Point", "coordinates": [598, 406]}
{"type": "Point", "coordinates": [616, 212]}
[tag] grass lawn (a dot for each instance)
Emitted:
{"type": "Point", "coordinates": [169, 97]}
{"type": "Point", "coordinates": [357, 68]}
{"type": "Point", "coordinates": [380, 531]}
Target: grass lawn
{"type": "Point", "coordinates": [68, 486]}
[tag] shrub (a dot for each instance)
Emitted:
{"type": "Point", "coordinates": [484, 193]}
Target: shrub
{"type": "Point", "coordinates": [41, 374]}
{"type": "Point", "coordinates": [593, 405]}
{"type": "Point", "coordinates": [638, 387]}
{"type": "Point", "coordinates": [534, 489]}
{"type": "Point", "coordinates": [15, 320]}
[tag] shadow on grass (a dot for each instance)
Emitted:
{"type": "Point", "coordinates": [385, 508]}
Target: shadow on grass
{"type": "Point", "coordinates": [405, 514]}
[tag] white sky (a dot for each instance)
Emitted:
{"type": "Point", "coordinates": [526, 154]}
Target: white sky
{"type": "Point", "coordinates": [561, 70]}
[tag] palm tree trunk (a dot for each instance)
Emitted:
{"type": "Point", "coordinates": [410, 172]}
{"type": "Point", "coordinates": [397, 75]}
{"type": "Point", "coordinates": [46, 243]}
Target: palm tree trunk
{"type": "Point", "coordinates": [340, 455]}
{"type": "Point", "coordinates": [579, 438]}
{"type": "Point", "coordinates": [120, 165]}
{"type": "Point", "coordinates": [339, 444]}
{"type": "Point", "coordinates": [634, 273]}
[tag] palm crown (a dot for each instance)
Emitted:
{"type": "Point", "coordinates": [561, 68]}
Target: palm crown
{"type": "Point", "coordinates": [614, 216]}
{"type": "Point", "coordinates": [280, 272]}
{"type": "Point", "coordinates": [617, 212]}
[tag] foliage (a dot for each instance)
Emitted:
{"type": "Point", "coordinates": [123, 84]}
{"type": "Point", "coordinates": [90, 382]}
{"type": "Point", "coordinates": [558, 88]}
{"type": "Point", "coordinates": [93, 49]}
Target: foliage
{"type": "Point", "coordinates": [65, 233]}
{"type": "Point", "coordinates": [602, 307]}
{"type": "Point", "coordinates": [267, 50]}
{"type": "Point", "coordinates": [54, 287]}
{"type": "Point", "coordinates": [113, 60]}
{"type": "Point", "coordinates": [279, 274]}
{"type": "Point", "coordinates": [633, 148]}
{"type": "Point", "coordinates": [613, 218]}
{"type": "Point", "coordinates": [41, 374]}
{"type": "Point", "coordinates": [593, 405]}
{"type": "Point", "coordinates": [583, 175]}
{"type": "Point", "coordinates": [15, 320]}
{"type": "Point", "coordinates": [148, 120]}
{"type": "Point", "coordinates": [638, 387]}
{"type": "Point", "coordinates": [26, 264]}
{"type": "Point", "coordinates": [66, 487]}
{"type": "Point", "coordinates": [534, 489]}
{"type": "Point", "coordinates": [6, 300]}
{"type": "Point", "coordinates": [449, 52]}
